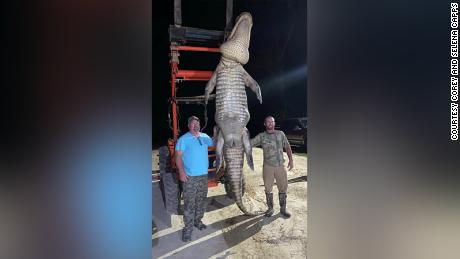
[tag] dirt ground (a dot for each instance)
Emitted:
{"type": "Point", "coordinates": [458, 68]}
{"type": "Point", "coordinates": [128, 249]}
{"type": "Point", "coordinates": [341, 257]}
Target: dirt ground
{"type": "Point", "coordinates": [231, 234]}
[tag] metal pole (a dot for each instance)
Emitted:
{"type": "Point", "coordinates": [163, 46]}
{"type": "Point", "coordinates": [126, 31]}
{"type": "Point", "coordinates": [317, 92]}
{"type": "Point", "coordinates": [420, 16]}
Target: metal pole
{"type": "Point", "coordinates": [177, 13]}
{"type": "Point", "coordinates": [228, 17]}
{"type": "Point", "coordinates": [174, 70]}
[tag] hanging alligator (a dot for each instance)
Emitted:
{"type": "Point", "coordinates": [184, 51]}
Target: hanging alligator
{"type": "Point", "coordinates": [232, 114]}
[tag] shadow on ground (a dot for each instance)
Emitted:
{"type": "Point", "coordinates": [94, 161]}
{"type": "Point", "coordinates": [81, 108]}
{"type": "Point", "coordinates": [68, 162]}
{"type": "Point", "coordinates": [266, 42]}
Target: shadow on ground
{"type": "Point", "coordinates": [302, 178]}
{"type": "Point", "coordinates": [218, 202]}
{"type": "Point", "coordinates": [214, 245]}
{"type": "Point", "coordinates": [162, 219]}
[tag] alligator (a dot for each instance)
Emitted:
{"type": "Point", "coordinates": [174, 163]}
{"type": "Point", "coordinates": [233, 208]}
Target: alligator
{"type": "Point", "coordinates": [232, 114]}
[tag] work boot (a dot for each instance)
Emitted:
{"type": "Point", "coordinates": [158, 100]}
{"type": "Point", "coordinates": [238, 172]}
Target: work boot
{"type": "Point", "coordinates": [283, 211]}
{"type": "Point", "coordinates": [186, 235]}
{"type": "Point", "coordinates": [200, 225]}
{"type": "Point", "coordinates": [269, 211]}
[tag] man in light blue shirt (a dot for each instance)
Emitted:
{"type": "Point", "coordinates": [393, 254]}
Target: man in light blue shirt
{"type": "Point", "coordinates": [192, 163]}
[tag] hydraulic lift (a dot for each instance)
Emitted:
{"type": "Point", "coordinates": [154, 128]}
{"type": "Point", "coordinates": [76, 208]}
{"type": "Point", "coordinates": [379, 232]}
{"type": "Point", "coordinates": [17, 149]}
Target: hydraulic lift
{"type": "Point", "coordinates": [194, 40]}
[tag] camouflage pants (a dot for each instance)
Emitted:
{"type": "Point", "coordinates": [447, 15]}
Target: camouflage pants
{"type": "Point", "coordinates": [195, 193]}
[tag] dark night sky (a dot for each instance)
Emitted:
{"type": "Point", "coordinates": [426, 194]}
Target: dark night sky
{"type": "Point", "coordinates": [278, 60]}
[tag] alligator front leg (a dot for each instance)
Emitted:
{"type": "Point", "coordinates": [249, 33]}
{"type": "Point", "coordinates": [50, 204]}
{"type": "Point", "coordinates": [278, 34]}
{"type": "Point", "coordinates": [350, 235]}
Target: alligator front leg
{"type": "Point", "coordinates": [251, 83]}
{"type": "Point", "coordinates": [248, 148]}
{"type": "Point", "coordinates": [210, 87]}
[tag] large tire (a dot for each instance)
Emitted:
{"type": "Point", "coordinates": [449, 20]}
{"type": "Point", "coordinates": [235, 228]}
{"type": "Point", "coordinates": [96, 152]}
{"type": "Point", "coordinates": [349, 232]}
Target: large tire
{"type": "Point", "coordinates": [228, 188]}
{"type": "Point", "coordinates": [169, 183]}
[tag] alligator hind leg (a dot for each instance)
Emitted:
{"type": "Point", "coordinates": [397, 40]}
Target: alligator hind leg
{"type": "Point", "coordinates": [248, 148]}
{"type": "Point", "coordinates": [219, 149]}
{"type": "Point", "coordinates": [232, 131]}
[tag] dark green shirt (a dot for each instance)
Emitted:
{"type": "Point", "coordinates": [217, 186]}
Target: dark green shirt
{"type": "Point", "coordinates": [272, 145]}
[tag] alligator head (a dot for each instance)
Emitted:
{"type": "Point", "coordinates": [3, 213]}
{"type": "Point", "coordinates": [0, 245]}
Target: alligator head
{"type": "Point", "coordinates": [236, 47]}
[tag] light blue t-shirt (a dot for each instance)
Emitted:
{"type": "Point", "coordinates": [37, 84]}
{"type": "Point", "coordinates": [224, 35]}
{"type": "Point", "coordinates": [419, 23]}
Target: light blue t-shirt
{"type": "Point", "coordinates": [195, 153]}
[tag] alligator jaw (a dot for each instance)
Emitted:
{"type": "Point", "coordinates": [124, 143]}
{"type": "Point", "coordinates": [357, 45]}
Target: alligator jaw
{"type": "Point", "coordinates": [237, 45]}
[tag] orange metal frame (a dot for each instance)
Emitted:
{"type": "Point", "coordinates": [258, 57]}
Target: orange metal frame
{"type": "Point", "coordinates": [187, 75]}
